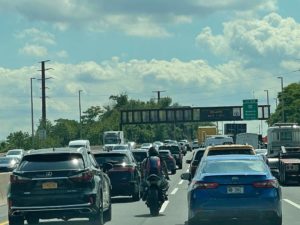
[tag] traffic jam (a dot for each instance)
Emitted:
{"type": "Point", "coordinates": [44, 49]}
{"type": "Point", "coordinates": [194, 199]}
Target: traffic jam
{"type": "Point", "coordinates": [223, 181]}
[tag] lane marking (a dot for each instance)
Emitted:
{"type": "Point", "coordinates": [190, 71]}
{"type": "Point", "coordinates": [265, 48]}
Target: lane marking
{"type": "Point", "coordinates": [292, 203]}
{"type": "Point", "coordinates": [162, 209]}
{"type": "Point", "coordinates": [5, 223]}
{"type": "Point", "coordinates": [181, 182]}
{"type": "Point", "coordinates": [174, 191]}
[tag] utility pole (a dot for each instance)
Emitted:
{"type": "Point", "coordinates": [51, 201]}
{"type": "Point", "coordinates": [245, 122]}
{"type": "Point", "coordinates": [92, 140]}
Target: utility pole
{"type": "Point", "coordinates": [282, 100]}
{"type": "Point", "coordinates": [80, 126]}
{"type": "Point", "coordinates": [158, 94]}
{"type": "Point", "coordinates": [275, 101]}
{"type": "Point", "coordinates": [43, 81]}
{"type": "Point", "coordinates": [32, 127]}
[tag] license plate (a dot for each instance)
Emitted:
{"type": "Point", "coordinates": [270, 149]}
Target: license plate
{"type": "Point", "coordinates": [49, 185]}
{"type": "Point", "coordinates": [292, 167]}
{"type": "Point", "coordinates": [235, 190]}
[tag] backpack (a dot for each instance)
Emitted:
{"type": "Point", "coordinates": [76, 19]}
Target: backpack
{"type": "Point", "coordinates": [153, 166]}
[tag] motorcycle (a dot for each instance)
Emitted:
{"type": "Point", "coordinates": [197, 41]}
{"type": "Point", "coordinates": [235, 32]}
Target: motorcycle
{"type": "Point", "coordinates": [155, 197]}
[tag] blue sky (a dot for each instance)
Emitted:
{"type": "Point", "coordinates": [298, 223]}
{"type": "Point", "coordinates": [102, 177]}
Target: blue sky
{"type": "Point", "coordinates": [203, 53]}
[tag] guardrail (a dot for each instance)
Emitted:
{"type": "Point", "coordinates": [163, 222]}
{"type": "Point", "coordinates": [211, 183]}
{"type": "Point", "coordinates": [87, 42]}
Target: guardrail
{"type": "Point", "coordinates": [4, 179]}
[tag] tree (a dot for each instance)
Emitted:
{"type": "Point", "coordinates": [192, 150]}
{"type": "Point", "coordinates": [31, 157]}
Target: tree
{"type": "Point", "coordinates": [18, 139]}
{"type": "Point", "coordinates": [290, 105]}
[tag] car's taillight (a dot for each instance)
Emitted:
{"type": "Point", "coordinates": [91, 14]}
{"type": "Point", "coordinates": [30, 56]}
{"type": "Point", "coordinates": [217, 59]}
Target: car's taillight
{"type": "Point", "coordinates": [266, 184]}
{"type": "Point", "coordinates": [83, 177]}
{"type": "Point", "coordinates": [204, 185]}
{"type": "Point", "coordinates": [15, 179]}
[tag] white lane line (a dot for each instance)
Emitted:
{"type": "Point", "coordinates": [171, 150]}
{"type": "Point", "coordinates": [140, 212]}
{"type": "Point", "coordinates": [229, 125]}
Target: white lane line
{"type": "Point", "coordinates": [292, 203]}
{"type": "Point", "coordinates": [163, 207]}
{"type": "Point", "coordinates": [181, 182]}
{"type": "Point", "coordinates": [174, 191]}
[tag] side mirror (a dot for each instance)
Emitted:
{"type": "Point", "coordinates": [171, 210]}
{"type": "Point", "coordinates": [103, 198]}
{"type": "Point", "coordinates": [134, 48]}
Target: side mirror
{"type": "Point", "coordinates": [188, 161]}
{"type": "Point", "coordinates": [186, 176]}
{"type": "Point", "coordinates": [107, 166]}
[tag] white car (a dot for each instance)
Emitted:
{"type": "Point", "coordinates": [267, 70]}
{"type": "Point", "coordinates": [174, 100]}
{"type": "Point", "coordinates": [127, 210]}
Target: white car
{"type": "Point", "coordinates": [80, 143]}
{"type": "Point", "coordinates": [16, 153]}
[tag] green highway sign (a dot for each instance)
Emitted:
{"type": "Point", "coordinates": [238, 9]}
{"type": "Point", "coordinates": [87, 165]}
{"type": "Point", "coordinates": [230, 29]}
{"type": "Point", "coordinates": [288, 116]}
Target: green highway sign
{"type": "Point", "coordinates": [250, 109]}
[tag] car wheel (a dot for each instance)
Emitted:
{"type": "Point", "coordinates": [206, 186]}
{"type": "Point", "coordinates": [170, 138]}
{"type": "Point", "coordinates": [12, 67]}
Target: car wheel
{"type": "Point", "coordinates": [97, 219]}
{"type": "Point", "coordinates": [276, 221]}
{"type": "Point", "coordinates": [173, 171]}
{"type": "Point", "coordinates": [136, 196]}
{"type": "Point", "coordinates": [180, 166]}
{"type": "Point", "coordinates": [15, 220]}
{"type": "Point", "coordinates": [107, 214]}
{"type": "Point", "coordinates": [32, 220]}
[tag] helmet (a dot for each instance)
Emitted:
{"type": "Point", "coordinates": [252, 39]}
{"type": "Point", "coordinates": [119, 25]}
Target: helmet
{"type": "Point", "coordinates": [153, 151]}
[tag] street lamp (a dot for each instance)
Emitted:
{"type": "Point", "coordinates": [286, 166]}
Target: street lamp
{"type": "Point", "coordinates": [267, 96]}
{"type": "Point", "coordinates": [32, 128]}
{"type": "Point", "coordinates": [282, 101]}
{"type": "Point", "coordinates": [79, 100]}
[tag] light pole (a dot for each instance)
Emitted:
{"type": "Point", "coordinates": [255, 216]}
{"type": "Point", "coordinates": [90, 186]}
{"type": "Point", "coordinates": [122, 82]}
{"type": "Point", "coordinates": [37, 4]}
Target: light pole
{"type": "Point", "coordinates": [32, 128]}
{"type": "Point", "coordinates": [275, 101]}
{"type": "Point", "coordinates": [268, 103]}
{"type": "Point", "coordinates": [79, 100]}
{"type": "Point", "coordinates": [282, 101]}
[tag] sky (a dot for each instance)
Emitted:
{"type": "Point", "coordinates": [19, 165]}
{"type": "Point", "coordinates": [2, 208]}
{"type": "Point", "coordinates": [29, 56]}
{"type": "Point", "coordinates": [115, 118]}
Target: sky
{"type": "Point", "coordinates": [200, 53]}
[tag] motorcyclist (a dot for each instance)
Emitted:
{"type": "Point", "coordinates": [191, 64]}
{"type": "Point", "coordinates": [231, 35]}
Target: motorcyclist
{"type": "Point", "coordinates": [153, 152]}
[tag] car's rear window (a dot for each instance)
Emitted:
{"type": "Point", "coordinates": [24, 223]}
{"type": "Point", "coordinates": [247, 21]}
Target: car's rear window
{"type": "Point", "coordinates": [173, 149]}
{"type": "Point", "coordinates": [199, 155]}
{"type": "Point", "coordinates": [229, 166]}
{"type": "Point", "coordinates": [52, 162]}
{"type": "Point", "coordinates": [16, 152]}
{"type": "Point", "coordinates": [139, 156]}
{"type": "Point", "coordinates": [112, 158]}
{"type": "Point", "coordinates": [230, 151]}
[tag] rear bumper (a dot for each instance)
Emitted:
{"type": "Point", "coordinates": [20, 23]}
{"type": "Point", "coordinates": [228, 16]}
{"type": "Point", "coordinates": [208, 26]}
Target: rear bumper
{"type": "Point", "coordinates": [48, 212]}
{"type": "Point", "coordinates": [219, 211]}
{"type": "Point", "coordinates": [124, 188]}
{"type": "Point", "coordinates": [234, 214]}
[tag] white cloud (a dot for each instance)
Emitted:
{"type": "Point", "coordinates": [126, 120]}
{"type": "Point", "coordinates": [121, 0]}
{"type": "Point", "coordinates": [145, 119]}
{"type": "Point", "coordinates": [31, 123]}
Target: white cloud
{"type": "Point", "coordinates": [150, 18]}
{"type": "Point", "coordinates": [192, 82]}
{"type": "Point", "coordinates": [34, 50]}
{"type": "Point", "coordinates": [34, 35]}
{"type": "Point", "coordinates": [62, 54]}
{"type": "Point", "coordinates": [268, 40]}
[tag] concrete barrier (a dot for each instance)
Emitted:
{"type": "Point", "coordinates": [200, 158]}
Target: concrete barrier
{"type": "Point", "coordinates": [4, 180]}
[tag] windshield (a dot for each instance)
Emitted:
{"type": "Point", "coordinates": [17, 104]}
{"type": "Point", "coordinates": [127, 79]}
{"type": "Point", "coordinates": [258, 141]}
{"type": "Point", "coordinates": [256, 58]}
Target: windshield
{"type": "Point", "coordinates": [111, 158]}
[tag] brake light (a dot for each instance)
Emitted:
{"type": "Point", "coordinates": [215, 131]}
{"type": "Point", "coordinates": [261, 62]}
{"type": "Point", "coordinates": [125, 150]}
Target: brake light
{"type": "Point", "coordinates": [15, 179]}
{"type": "Point", "coordinates": [83, 177]}
{"type": "Point", "coordinates": [204, 185]}
{"type": "Point", "coordinates": [266, 184]}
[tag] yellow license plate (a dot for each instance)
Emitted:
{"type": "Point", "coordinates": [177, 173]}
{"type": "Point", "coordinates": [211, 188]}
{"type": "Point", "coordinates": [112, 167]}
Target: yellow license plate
{"type": "Point", "coordinates": [49, 185]}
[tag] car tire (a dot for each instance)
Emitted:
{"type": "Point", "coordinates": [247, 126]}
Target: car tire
{"type": "Point", "coordinates": [173, 172]}
{"type": "Point", "coordinates": [180, 166]}
{"type": "Point", "coordinates": [32, 220]}
{"type": "Point", "coordinates": [97, 219]}
{"type": "Point", "coordinates": [136, 196]}
{"type": "Point", "coordinates": [15, 220]}
{"type": "Point", "coordinates": [107, 215]}
{"type": "Point", "coordinates": [276, 221]}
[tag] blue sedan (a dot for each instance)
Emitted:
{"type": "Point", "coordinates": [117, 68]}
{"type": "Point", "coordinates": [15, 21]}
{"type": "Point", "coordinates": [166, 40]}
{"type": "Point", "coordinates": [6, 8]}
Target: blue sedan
{"type": "Point", "coordinates": [233, 188]}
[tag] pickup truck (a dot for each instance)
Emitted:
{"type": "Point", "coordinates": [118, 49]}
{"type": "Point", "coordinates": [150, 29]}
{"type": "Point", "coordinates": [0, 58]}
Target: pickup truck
{"type": "Point", "coordinates": [289, 164]}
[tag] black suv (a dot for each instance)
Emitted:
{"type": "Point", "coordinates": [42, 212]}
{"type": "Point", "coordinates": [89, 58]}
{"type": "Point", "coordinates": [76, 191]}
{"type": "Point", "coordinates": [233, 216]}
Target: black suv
{"type": "Point", "coordinates": [125, 175]}
{"type": "Point", "coordinates": [175, 151]}
{"type": "Point", "coordinates": [58, 183]}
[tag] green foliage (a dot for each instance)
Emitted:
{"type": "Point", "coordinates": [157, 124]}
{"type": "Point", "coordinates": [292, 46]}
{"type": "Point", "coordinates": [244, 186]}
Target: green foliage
{"type": "Point", "coordinates": [290, 104]}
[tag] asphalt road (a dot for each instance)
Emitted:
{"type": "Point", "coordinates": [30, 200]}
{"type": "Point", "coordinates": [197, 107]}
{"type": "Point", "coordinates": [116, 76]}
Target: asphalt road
{"type": "Point", "coordinates": [173, 212]}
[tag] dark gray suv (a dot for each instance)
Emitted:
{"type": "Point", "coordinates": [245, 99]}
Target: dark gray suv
{"type": "Point", "coordinates": [58, 183]}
